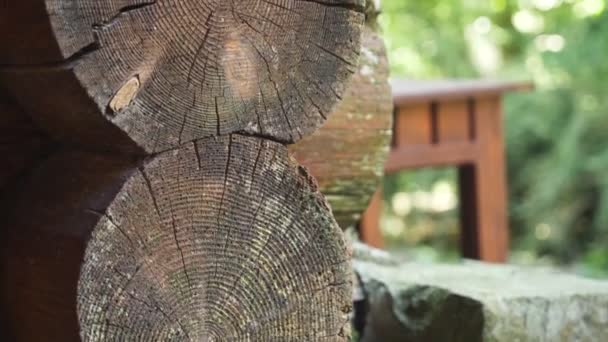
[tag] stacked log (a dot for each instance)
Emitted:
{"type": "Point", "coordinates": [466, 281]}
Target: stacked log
{"type": "Point", "coordinates": [348, 153]}
{"type": "Point", "coordinates": [157, 199]}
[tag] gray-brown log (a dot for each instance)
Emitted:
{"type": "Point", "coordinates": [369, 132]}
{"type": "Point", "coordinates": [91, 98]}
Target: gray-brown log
{"type": "Point", "coordinates": [347, 154]}
{"type": "Point", "coordinates": [167, 72]}
{"type": "Point", "coordinates": [225, 239]}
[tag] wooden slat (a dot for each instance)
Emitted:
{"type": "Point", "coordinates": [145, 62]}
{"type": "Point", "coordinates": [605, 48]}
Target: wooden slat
{"type": "Point", "coordinates": [408, 92]}
{"type": "Point", "coordinates": [453, 121]}
{"type": "Point", "coordinates": [431, 155]}
{"type": "Point", "coordinates": [456, 123]}
{"type": "Point", "coordinates": [413, 125]}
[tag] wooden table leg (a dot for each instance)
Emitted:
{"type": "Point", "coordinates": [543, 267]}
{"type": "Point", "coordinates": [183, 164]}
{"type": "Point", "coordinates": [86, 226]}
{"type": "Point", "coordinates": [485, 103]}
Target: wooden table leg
{"type": "Point", "coordinates": [483, 190]}
{"type": "Point", "coordinates": [469, 222]}
{"type": "Point", "coordinates": [369, 228]}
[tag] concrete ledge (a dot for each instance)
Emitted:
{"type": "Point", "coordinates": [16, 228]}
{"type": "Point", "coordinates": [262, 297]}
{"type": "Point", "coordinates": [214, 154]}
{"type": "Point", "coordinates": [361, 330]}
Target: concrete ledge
{"type": "Point", "coordinates": [474, 301]}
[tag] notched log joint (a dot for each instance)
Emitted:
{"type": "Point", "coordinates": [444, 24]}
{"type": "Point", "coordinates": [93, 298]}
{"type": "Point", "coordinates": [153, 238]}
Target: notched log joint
{"type": "Point", "coordinates": [71, 62]}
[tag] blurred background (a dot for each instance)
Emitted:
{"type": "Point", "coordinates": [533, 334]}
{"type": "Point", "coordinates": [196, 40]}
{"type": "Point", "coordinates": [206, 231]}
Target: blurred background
{"type": "Point", "coordinates": [557, 136]}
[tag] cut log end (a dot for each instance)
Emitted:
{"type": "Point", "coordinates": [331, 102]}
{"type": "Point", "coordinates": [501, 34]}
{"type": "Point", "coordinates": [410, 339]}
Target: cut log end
{"type": "Point", "coordinates": [270, 68]}
{"type": "Point", "coordinates": [223, 240]}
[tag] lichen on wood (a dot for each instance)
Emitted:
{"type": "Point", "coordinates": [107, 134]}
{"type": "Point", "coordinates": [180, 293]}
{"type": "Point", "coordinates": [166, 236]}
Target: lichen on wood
{"type": "Point", "coordinates": [347, 154]}
{"type": "Point", "coordinates": [259, 258]}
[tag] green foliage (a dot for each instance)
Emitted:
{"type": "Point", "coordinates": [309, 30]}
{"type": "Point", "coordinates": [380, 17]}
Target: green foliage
{"type": "Point", "coordinates": [557, 137]}
{"type": "Point", "coordinates": [354, 337]}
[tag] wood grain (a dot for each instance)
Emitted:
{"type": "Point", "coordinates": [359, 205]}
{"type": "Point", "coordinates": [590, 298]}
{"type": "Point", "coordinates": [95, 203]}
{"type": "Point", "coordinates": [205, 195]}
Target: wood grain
{"type": "Point", "coordinates": [347, 154]}
{"type": "Point", "coordinates": [273, 68]}
{"type": "Point", "coordinates": [169, 208]}
{"type": "Point", "coordinates": [226, 239]}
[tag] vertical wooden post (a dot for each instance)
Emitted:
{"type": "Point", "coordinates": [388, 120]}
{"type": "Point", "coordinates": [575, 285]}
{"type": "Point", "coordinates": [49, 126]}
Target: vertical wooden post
{"type": "Point", "coordinates": [369, 228]}
{"type": "Point", "coordinates": [483, 188]}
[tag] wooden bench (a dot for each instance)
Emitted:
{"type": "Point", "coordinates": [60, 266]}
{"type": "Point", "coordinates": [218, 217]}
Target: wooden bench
{"type": "Point", "coordinates": [454, 123]}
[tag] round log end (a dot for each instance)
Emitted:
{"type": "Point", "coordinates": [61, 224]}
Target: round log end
{"type": "Point", "coordinates": [226, 239]}
{"type": "Point", "coordinates": [170, 72]}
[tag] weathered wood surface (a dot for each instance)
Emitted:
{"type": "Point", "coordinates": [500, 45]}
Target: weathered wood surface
{"type": "Point", "coordinates": [348, 153]}
{"type": "Point", "coordinates": [169, 207]}
{"type": "Point", "coordinates": [224, 238]}
{"type": "Point", "coordinates": [260, 258]}
{"type": "Point", "coordinates": [168, 72]}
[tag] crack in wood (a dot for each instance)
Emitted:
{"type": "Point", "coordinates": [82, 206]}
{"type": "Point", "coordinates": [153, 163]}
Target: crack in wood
{"type": "Point", "coordinates": [73, 60]}
{"type": "Point", "coordinates": [66, 64]}
{"type": "Point", "coordinates": [122, 11]}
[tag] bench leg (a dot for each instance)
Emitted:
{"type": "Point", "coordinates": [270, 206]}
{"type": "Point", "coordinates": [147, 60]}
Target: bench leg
{"type": "Point", "coordinates": [483, 191]}
{"type": "Point", "coordinates": [369, 228]}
